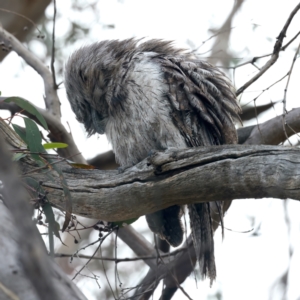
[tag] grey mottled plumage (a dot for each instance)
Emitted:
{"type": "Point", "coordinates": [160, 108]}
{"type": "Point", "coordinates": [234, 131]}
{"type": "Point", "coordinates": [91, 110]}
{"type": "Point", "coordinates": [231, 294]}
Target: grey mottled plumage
{"type": "Point", "coordinates": [153, 96]}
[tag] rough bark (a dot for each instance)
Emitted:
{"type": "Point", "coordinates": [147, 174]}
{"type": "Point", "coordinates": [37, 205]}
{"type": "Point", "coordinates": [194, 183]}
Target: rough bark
{"type": "Point", "coordinates": [26, 270]}
{"type": "Point", "coordinates": [14, 281]}
{"type": "Point", "coordinates": [183, 177]}
{"type": "Point", "coordinates": [171, 177]}
{"type": "Point", "coordinates": [177, 177]}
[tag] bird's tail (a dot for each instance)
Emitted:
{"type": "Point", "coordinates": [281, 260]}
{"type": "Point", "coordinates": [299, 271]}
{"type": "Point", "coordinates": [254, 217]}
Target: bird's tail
{"type": "Point", "coordinates": [202, 233]}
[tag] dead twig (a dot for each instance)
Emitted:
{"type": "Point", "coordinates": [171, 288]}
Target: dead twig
{"type": "Point", "coordinates": [275, 54]}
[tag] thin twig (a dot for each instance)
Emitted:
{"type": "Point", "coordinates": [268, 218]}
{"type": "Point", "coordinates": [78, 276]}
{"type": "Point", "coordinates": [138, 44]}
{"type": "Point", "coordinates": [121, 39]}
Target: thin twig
{"type": "Point", "coordinates": [255, 58]}
{"type": "Point", "coordinates": [287, 44]}
{"type": "Point", "coordinates": [170, 271]}
{"type": "Point", "coordinates": [212, 36]}
{"type": "Point", "coordinates": [275, 54]}
{"type": "Point", "coordinates": [117, 275]}
{"type": "Point", "coordinates": [22, 16]}
{"type": "Point", "coordinates": [9, 293]}
{"type": "Point", "coordinates": [118, 260]}
{"type": "Point", "coordinates": [105, 273]}
{"type": "Point", "coordinates": [100, 240]}
{"type": "Point", "coordinates": [55, 86]}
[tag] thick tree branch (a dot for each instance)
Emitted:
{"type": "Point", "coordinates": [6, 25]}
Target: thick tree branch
{"type": "Point", "coordinates": [268, 133]}
{"type": "Point", "coordinates": [271, 132]}
{"type": "Point", "coordinates": [177, 177]}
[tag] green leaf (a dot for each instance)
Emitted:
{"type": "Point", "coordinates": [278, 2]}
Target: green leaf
{"type": "Point", "coordinates": [18, 156]}
{"type": "Point", "coordinates": [34, 139]}
{"type": "Point", "coordinates": [68, 198]}
{"type": "Point", "coordinates": [47, 208]}
{"type": "Point", "coordinates": [21, 131]}
{"type": "Point", "coordinates": [55, 145]}
{"type": "Point", "coordinates": [67, 194]}
{"type": "Point", "coordinates": [54, 227]}
{"type": "Point", "coordinates": [124, 223]}
{"type": "Point", "coordinates": [26, 105]}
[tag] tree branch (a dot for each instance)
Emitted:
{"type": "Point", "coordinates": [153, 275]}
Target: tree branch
{"type": "Point", "coordinates": [222, 41]}
{"type": "Point", "coordinates": [177, 177]}
{"type": "Point", "coordinates": [174, 270]}
{"type": "Point", "coordinates": [271, 132]}
{"type": "Point", "coordinates": [268, 133]}
{"type": "Point", "coordinates": [138, 244]}
{"type": "Point", "coordinates": [30, 262]}
{"type": "Point", "coordinates": [51, 100]}
{"type": "Point", "coordinates": [275, 54]}
{"type": "Point", "coordinates": [58, 133]}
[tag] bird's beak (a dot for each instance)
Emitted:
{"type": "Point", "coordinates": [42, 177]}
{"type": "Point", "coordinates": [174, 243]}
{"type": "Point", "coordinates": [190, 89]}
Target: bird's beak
{"type": "Point", "coordinates": [98, 121]}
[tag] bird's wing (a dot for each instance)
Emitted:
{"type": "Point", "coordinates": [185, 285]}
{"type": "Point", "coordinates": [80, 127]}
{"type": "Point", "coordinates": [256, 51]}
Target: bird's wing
{"type": "Point", "coordinates": [203, 100]}
{"type": "Point", "coordinates": [204, 109]}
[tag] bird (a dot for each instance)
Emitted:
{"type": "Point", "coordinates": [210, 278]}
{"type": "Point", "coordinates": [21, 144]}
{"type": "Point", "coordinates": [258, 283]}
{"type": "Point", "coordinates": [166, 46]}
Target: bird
{"type": "Point", "coordinates": [150, 95]}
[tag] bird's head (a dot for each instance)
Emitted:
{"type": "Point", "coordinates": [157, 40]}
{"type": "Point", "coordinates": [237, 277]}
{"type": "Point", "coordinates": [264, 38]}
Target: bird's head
{"type": "Point", "coordinates": [88, 73]}
{"type": "Point", "coordinates": [94, 81]}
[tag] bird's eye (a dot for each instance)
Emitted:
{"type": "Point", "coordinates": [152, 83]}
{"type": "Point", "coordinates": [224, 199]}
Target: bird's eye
{"type": "Point", "coordinates": [82, 76]}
